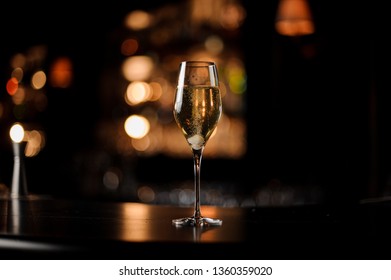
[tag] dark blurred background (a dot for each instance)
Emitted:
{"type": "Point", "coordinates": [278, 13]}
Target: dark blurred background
{"type": "Point", "coordinates": [305, 100]}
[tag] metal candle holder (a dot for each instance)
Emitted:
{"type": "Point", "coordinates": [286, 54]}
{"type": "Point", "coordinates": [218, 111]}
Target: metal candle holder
{"type": "Point", "coordinates": [19, 180]}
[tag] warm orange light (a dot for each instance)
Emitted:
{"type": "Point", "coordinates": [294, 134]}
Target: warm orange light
{"type": "Point", "coordinates": [12, 86]}
{"type": "Point", "coordinates": [18, 73]}
{"type": "Point", "coordinates": [136, 126]}
{"type": "Point", "coordinates": [134, 226]}
{"type": "Point", "coordinates": [294, 18]}
{"type": "Point", "coordinates": [138, 20]}
{"type": "Point", "coordinates": [129, 46]}
{"type": "Point", "coordinates": [137, 68]}
{"type": "Point", "coordinates": [156, 89]}
{"type": "Point", "coordinates": [35, 142]}
{"type": "Point", "coordinates": [61, 73]}
{"type": "Point", "coordinates": [20, 96]}
{"type": "Point", "coordinates": [137, 92]}
{"type": "Point", "coordinates": [38, 80]}
{"type": "Point", "coordinates": [232, 16]}
{"type": "Point", "coordinates": [146, 194]}
{"type": "Point", "coordinates": [141, 144]}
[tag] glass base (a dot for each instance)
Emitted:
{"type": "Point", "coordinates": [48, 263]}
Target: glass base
{"type": "Point", "coordinates": [199, 222]}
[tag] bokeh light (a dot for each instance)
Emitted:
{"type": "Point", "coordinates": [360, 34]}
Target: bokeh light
{"type": "Point", "coordinates": [17, 133]}
{"type": "Point", "coordinates": [136, 126]}
{"type": "Point", "coordinates": [137, 68]}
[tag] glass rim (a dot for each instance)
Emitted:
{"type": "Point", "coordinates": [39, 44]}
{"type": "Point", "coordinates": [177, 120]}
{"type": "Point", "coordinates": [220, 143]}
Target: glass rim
{"type": "Point", "coordinates": [199, 62]}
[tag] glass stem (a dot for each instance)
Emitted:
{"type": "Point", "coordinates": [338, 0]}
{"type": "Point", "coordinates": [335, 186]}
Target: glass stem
{"type": "Point", "coordinates": [197, 156]}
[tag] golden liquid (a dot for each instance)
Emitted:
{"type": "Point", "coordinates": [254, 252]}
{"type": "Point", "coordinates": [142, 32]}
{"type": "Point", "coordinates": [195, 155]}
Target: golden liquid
{"type": "Point", "coordinates": [197, 111]}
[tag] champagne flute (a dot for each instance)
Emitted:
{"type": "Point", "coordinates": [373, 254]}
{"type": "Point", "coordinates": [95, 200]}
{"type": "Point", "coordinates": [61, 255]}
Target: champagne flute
{"type": "Point", "coordinates": [197, 110]}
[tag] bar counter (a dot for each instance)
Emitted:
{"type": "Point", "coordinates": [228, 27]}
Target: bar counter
{"type": "Point", "coordinates": [44, 227]}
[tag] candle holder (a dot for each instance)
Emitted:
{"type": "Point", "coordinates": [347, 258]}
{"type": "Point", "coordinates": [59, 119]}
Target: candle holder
{"type": "Point", "coordinates": [19, 180]}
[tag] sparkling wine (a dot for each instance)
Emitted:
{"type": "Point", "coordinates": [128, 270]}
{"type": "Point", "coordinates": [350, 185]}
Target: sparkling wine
{"type": "Point", "coordinates": [197, 110]}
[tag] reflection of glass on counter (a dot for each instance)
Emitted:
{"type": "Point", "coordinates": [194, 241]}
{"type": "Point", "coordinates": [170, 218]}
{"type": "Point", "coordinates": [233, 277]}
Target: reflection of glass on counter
{"type": "Point", "coordinates": [142, 222]}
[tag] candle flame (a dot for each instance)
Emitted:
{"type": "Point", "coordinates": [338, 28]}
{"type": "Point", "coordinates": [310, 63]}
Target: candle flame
{"type": "Point", "coordinates": [17, 133]}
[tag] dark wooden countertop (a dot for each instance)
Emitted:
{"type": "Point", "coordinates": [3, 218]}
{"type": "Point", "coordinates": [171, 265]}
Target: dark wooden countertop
{"type": "Point", "coordinates": [42, 227]}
